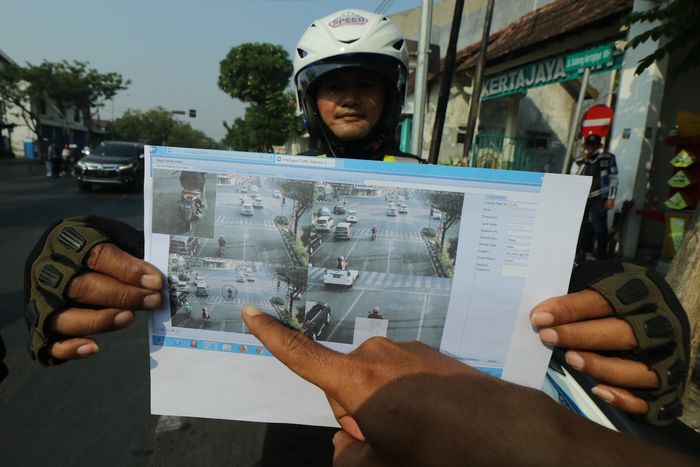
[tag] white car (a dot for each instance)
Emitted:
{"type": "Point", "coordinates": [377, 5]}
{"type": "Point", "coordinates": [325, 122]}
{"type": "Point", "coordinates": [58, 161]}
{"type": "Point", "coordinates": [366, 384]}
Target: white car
{"type": "Point", "coordinates": [403, 208]}
{"type": "Point", "coordinates": [437, 215]}
{"type": "Point", "coordinates": [247, 209]}
{"type": "Point", "coordinates": [351, 217]}
{"type": "Point", "coordinates": [258, 203]}
{"type": "Point", "coordinates": [276, 194]}
{"type": "Point", "coordinates": [346, 277]}
{"type": "Point", "coordinates": [324, 224]}
{"type": "Point", "coordinates": [240, 276]}
{"type": "Point", "coordinates": [250, 275]}
{"type": "Point", "coordinates": [391, 211]}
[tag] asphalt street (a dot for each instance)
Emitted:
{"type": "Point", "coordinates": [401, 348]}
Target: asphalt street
{"type": "Point", "coordinates": [94, 412]}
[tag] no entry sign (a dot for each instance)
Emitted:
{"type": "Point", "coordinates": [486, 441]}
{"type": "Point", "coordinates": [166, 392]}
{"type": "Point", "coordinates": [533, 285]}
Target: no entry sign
{"type": "Point", "coordinates": [597, 121]}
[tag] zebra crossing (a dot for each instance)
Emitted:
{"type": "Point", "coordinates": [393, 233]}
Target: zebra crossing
{"type": "Point", "coordinates": [216, 299]}
{"type": "Point", "coordinates": [362, 232]}
{"type": "Point", "coordinates": [384, 280]}
{"type": "Point", "coordinates": [242, 220]}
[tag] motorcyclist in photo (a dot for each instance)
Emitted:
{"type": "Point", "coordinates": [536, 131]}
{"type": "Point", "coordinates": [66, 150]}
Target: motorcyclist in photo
{"type": "Point", "coordinates": [375, 313]}
{"type": "Point", "coordinates": [341, 263]}
{"type": "Point", "coordinates": [374, 232]}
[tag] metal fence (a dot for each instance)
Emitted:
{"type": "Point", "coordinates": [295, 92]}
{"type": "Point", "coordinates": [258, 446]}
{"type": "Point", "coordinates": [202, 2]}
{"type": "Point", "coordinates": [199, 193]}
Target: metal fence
{"type": "Point", "coordinates": [508, 153]}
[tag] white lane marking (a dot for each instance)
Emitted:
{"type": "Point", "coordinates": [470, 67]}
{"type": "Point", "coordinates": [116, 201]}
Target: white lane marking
{"type": "Point", "coordinates": [388, 256]}
{"type": "Point", "coordinates": [423, 311]}
{"type": "Point", "coordinates": [342, 320]}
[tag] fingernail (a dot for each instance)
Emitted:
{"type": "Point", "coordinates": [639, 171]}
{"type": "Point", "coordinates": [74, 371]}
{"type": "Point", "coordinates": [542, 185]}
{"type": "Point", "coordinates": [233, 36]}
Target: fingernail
{"type": "Point", "coordinates": [574, 359]}
{"type": "Point", "coordinates": [541, 318]}
{"type": "Point", "coordinates": [251, 310]}
{"type": "Point", "coordinates": [123, 319]}
{"type": "Point", "coordinates": [604, 394]}
{"type": "Point", "coordinates": [151, 281]}
{"type": "Point", "coordinates": [549, 336]}
{"type": "Point", "coordinates": [151, 301]}
{"type": "Point", "coordinates": [87, 350]}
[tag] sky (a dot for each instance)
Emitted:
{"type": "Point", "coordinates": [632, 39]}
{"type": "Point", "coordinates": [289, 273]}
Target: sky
{"type": "Point", "coordinates": [170, 50]}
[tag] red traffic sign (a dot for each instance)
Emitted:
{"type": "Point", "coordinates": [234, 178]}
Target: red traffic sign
{"type": "Point", "coordinates": [597, 121]}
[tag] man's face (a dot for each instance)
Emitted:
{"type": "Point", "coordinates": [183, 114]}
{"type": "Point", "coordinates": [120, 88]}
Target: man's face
{"type": "Point", "coordinates": [350, 102]}
{"type": "Point", "coordinates": [590, 149]}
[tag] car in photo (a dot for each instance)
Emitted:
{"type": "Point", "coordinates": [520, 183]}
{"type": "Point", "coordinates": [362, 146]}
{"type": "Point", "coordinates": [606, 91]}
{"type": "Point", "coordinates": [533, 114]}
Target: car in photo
{"type": "Point", "coordinates": [254, 189]}
{"type": "Point", "coordinates": [343, 231]}
{"type": "Point", "coordinates": [240, 276]}
{"type": "Point", "coordinates": [403, 208]}
{"type": "Point", "coordinates": [391, 204]}
{"type": "Point", "coordinates": [315, 241]}
{"type": "Point", "coordinates": [324, 224]}
{"type": "Point", "coordinates": [247, 209]}
{"type": "Point", "coordinates": [276, 194]}
{"type": "Point", "coordinates": [258, 203]}
{"type": "Point", "coordinates": [339, 210]}
{"type": "Point", "coordinates": [250, 275]}
{"type": "Point", "coordinates": [244, 188]}
{"type": "Point", "coordinates": [182, 245]}
{"type": "Point", "coordinates": [437, 215]}
{"type": "Point", "coordinates": [343, 277]}
{"type": "Point", "coordinates": [317, 316]}
{"type": "Point", "coordinates": [351, 217]}
{"type": "Point", "coordinates": [202, 289]}
{"type": "Point", "coordinates": [111, 163]}
{"type": "Point", "coordinates": [391, 211]}
{"type": "Point", "coordinates": [182, 286]}
{"type": "Point", "coordinates": [323, 211]}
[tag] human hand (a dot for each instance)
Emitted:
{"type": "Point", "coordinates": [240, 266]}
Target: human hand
{"type": "Point", "coordinates": [583, 323]}
{"type": "Point", "coordinates": [609, 204]}
{"type": "Point", "coordinates": [104, 299]}
{"type": "Point", "coordinates": [409, 405]}
{"type": "Point", "coordinates": [79, 283]}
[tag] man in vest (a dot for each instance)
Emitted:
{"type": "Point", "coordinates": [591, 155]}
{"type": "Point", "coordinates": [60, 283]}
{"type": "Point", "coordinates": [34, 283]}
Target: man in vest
{"type": "Point", "coordinates": [602, 168]}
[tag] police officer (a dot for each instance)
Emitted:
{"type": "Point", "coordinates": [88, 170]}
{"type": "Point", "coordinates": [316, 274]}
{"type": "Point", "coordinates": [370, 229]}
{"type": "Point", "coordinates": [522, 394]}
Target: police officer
{"type": "Point", "coordinates": [602, 167]}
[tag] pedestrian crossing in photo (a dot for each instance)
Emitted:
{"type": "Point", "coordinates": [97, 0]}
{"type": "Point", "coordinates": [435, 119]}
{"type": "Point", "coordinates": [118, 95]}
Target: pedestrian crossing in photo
{"type": "Point", "coordinates": [359, 233]}
{"type": "Point", "coordinates": [384, 280]}
{"type": "Point", "coordinates": [217, 299]}
{"type": "Point", "coordinates": [244, 220]}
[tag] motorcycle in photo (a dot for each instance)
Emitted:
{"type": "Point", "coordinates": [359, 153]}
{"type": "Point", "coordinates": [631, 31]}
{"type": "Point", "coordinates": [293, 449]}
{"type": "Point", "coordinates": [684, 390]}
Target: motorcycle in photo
{"type": "Point", "coordinates": [191, 206]}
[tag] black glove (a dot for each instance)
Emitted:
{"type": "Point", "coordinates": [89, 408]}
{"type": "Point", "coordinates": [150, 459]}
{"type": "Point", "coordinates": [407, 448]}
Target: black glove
{"type": "Point", "coordinates": [647, 303]}
{"type": "Point", "coordinates": [57, 258]}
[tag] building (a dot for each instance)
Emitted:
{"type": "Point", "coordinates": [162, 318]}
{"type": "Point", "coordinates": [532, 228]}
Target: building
{"type": "Point", "coordinates": [532, 81]}
{"type": "Point", "coordinates": [15, 131]}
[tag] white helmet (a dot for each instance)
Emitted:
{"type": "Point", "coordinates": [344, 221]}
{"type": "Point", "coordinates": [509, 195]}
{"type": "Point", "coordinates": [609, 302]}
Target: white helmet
{"type": "Point", "coordinates": [351, 38]}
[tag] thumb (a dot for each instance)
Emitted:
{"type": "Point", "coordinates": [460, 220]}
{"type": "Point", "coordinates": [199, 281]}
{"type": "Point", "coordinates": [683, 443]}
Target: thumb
{"type": "Point", "coordinates": [349, 452]}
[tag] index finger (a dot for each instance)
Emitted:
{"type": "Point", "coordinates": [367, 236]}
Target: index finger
{"type": "Point", "coordinates": [313, 362]}
{"type": "Point", "coordinates": [579, 306]}
{"type": "Point", "coordinates": [110, 260]}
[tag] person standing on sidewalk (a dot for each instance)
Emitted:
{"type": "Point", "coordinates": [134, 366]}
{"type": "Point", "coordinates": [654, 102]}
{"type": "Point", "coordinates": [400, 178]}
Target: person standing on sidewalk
{"type": "Point", "coordinates": [51, 156]}
{"type": "Point", "coordinates": [602, 167]}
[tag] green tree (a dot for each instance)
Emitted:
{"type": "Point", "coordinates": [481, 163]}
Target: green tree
{"type": "Point", "coordinates": [63, 85]}
{"type": "Point", "coordinates": [296, 279]}
{"type": "Point", "coordinates": [302, 195]}
{"type": "Point", "coordinates": [158, 126]}
{"type": "Point", "coordinates": [264, 125]}
{"type": "Point", "coordinates": [450, 204]}
{"type": "Point", "coordinates": [258, 74]}
{"type": "Point", "coordinates": [252, 72]}
{"type": "Point", "coordinates": [678, 23]}
{"type": "Point", "coordinates": [452, 249]}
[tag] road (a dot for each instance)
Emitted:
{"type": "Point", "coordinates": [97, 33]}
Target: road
{"type": "Point", "coordinates": [94, 412]}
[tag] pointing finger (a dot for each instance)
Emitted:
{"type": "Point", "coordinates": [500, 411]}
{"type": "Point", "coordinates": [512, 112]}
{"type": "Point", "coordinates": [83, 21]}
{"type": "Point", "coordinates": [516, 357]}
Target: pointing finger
{"type": "Point", "coordinates": [311, 361]}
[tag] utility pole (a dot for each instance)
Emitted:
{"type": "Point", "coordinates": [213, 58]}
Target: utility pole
{"type": "Point", "coordinates": [426, 18]}
{"type": "Point", "coordinates": [445, 84]}
{"type": "Point", "coordinates": [475, 102]}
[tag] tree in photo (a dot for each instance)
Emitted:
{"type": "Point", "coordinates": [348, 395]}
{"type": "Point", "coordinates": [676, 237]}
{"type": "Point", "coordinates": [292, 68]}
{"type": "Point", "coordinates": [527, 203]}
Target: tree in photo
{"type": "Point", "coordinates": [301, 194]}
{"type": "Point", "coordinates": [258, 75]}
{"type": "Point", "coordinates": [450, 205]}
{"type": "Point", "coordinates": [296, 280]}
{"type": "Point", "coordinates": [678, 23]}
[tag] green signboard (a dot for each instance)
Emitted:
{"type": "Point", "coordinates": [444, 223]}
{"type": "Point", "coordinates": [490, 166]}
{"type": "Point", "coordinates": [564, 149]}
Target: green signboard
{"type": "Point", "coordinates": [552, 70]}
{"type": "Point", "coordinates": [589, 58]}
